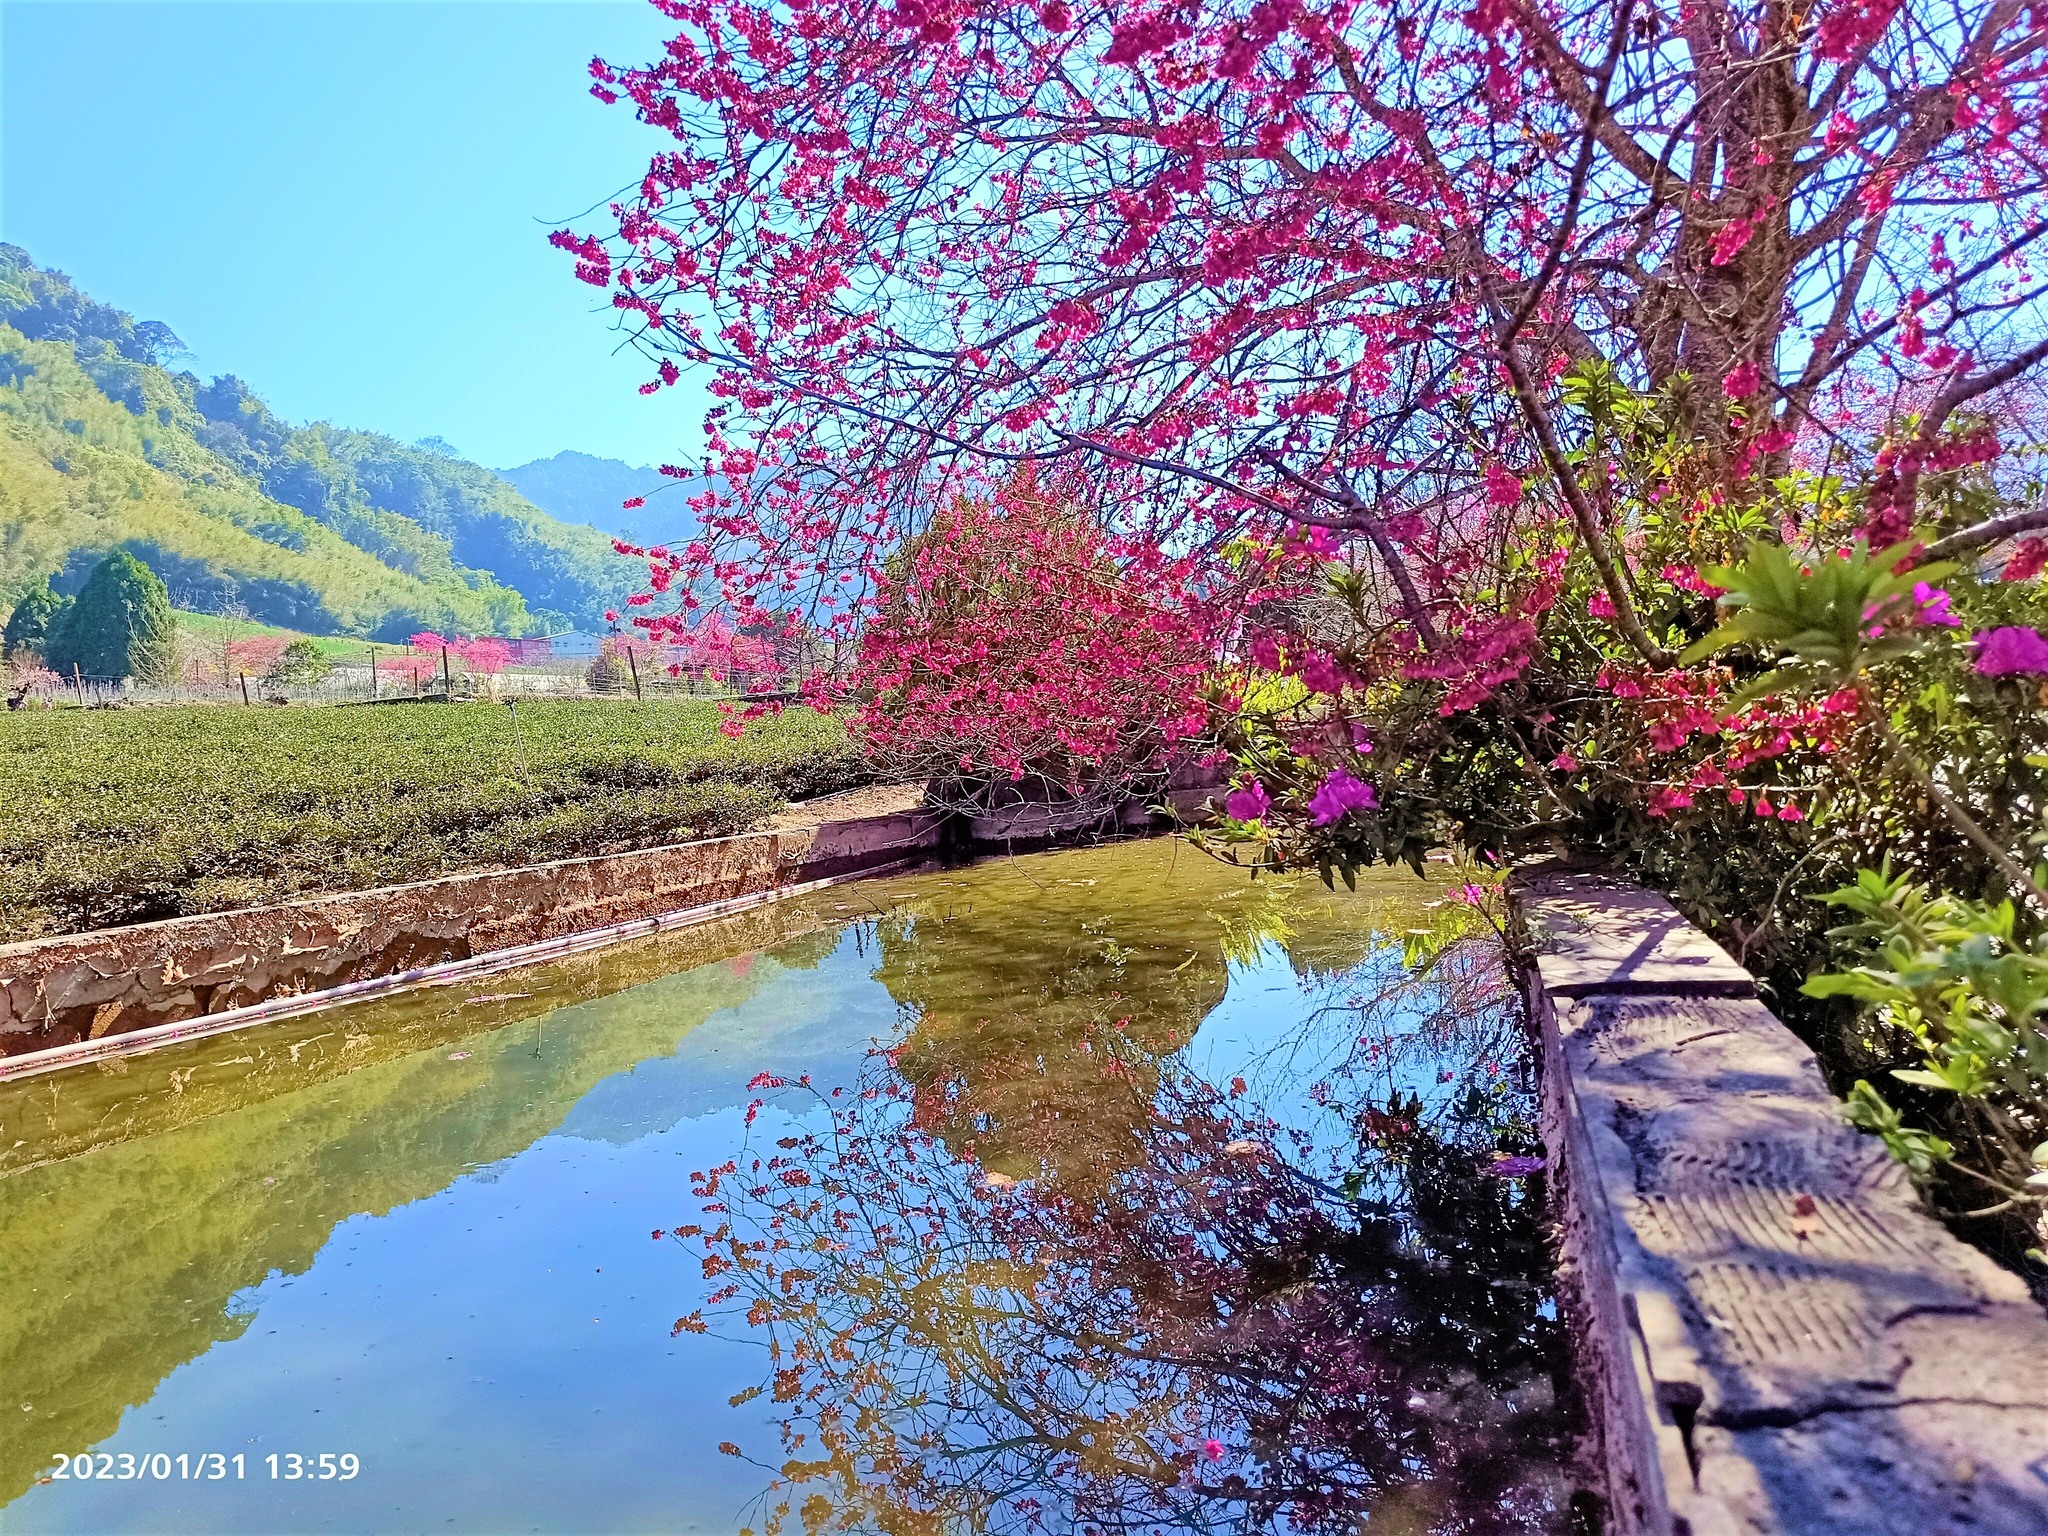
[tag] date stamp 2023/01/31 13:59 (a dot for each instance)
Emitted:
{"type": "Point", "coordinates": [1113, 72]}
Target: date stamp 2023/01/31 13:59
{"type": "Point", "coordinates": [205, 1467]}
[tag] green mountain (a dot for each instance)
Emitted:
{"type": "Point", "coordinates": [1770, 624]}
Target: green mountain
{"type": "Point", "coordinates": [583, 488]}
{"type": "Point", "coordinates": [102, 445]}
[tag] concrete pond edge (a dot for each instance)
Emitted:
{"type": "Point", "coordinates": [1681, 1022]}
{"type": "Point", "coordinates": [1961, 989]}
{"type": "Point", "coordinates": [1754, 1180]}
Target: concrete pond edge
{"type": "Point", "coordinates": [78, 990]}
{"type": "Point", "coordinates": [1771, 1333]}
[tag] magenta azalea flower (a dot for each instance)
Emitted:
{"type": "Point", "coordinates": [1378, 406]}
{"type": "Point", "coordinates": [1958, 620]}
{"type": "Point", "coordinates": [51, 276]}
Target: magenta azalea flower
{"type": "Point", "coordinates": [2003, 652]}
{"type": "Point", "coordinates": [1248, 804]}
{"type": "Point", "coordinates": [1932, 605]}
{"type": "Point", "coordinates": [1341, 793]}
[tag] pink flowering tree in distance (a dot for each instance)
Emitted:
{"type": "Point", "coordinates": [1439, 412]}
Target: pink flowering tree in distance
{"type": "Point", "coordinates": [1551, 424]}
{"type": "Point", "coordinates": [484, 657]}
{"type": "Point", "coordinates": [408, 668]}
{"type": "Point", "coordinates": [252, 656]}
{"type": "Point", "coordinates": [419, 665]}
{"type": "Point", "coordinates": [1014, 643]}
{"type": "Point", "coordinates": [723, 653]}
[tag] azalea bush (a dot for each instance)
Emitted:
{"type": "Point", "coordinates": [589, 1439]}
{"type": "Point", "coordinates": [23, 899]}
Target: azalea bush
{"type": "Point", "coordinates": [1851, 710]}
{"type": "Point", "coordinates": [1574, 425]}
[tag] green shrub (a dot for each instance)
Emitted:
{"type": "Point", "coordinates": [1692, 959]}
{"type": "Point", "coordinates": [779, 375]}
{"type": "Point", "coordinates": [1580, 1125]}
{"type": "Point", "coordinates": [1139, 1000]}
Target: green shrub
{"type": "Point", "coordinates": [301, 664]}
{"type": "Point", "coordinates": [28, 626]}
{"type": "Point", "coordinates": [1951, 976]}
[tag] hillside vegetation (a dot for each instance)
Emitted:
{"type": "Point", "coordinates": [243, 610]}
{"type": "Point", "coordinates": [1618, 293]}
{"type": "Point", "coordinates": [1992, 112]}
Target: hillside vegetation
{"type": "Point", "coordinates": [584, 488]}
{"type": "Point", "coordinates": [319, 528]}
{"type": "Point", "coordinates": [122, 816]}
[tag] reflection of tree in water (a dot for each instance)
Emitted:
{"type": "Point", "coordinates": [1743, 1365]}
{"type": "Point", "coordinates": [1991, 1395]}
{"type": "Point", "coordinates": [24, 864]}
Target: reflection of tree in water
{"type": "Point", "coordinates": [1011, 1002]}
{"type": "Point", "coordinates": [1012, 996]}
{"type": "Point", "coordinates": [1205, 1335]}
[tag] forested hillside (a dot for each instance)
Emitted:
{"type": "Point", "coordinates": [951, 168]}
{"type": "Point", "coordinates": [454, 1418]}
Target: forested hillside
{"type": "Point", "coordinates": [586, 489]}
{"type": "Point", "coordinates": [320, 528]}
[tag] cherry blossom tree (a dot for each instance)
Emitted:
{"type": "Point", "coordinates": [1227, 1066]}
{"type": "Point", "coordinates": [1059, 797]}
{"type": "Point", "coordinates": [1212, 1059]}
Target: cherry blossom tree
{"type": "Point", "coordinates": [252, 656]}
{"type": "Point", "coordinates": [1323, 266]}
{"type": "Point", "coordinates": [1014, 637]}
{"type": "Point", "coordinates": [485, 657]}
{"type": "Point", "coordinates": [419, 664]}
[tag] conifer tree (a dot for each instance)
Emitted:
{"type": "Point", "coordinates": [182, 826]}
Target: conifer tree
{"type": "Point", "coordinates": [120, 626]}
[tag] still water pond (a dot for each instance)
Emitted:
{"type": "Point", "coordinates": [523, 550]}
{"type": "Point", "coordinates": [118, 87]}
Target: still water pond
{"type": "Point", "coordinates": [1098, 1190]}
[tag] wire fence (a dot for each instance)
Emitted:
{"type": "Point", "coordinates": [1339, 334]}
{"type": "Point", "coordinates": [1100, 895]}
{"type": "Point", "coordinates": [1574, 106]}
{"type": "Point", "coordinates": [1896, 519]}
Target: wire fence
{"type": "Point", "coordinates": [40, 688]}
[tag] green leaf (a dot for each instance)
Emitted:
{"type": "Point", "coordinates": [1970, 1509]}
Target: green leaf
{"type": "Point", "coordinates": [1710, 645]}
{"type": "Point", "coordinates": [1922, 1079]}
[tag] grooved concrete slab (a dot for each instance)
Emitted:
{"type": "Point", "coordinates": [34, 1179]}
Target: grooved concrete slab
{"type": "Point", "coordinates": [1778, 1337]}
{"type": "Point", "coordinates": [1594, 934]}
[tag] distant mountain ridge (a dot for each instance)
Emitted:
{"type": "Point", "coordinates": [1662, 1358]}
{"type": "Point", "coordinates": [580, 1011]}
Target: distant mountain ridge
{"type": "Point", "coordinates": [580, 487]}
{"type": "Point", "coordinates": [321, 528]}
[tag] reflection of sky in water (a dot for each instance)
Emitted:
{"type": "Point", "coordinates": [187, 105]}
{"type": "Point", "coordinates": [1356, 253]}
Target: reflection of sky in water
{"type": "Point", "coordinates": [498, 1353]}
{"type": "Point", "coordinates": [1284, 1032]}
{"type": "Point", "coordinates": [497, 1347]}
{"type": "Point", "coordinates": [1281, 1032]}
{"type": "Point", "coordinates": [819, 1021]}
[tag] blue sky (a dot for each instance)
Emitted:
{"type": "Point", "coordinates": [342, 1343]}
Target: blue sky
{"type": "Point", "coordinates": [347, 203]}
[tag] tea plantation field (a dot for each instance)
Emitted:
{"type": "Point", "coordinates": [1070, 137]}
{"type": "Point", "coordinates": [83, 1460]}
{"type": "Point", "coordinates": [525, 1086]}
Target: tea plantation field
{"type": "Point", "coordinates": [123, 816]}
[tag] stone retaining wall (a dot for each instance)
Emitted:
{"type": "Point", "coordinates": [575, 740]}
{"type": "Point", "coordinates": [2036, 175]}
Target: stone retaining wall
{"type": "Point", "coordinates": [1773, 1334]}
{"type": "Point", "coordinates": [57, 991]}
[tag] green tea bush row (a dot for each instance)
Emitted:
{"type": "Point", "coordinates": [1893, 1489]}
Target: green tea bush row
{"type": "Point", "coordinates": [123, 816]}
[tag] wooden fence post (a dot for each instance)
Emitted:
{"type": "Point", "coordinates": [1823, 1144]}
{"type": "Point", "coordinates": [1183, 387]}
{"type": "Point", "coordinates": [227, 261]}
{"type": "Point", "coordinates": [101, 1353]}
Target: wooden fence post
{"type": "Point", "coordinates": [637, 694]}
{"type": "Point", "coordinates": [373, 672]}
{"type": "Point", "coordinates": [245, 685]}
{"type": "Point", "coordinates": [447, 677]}
{"type": "Point", "coordinates": [78, 682]}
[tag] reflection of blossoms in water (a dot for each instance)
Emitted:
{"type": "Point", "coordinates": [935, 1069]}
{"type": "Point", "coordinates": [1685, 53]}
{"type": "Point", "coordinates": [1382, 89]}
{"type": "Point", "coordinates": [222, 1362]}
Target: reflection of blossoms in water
{"type": "Point", "coordinates": [1230, 1329]}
